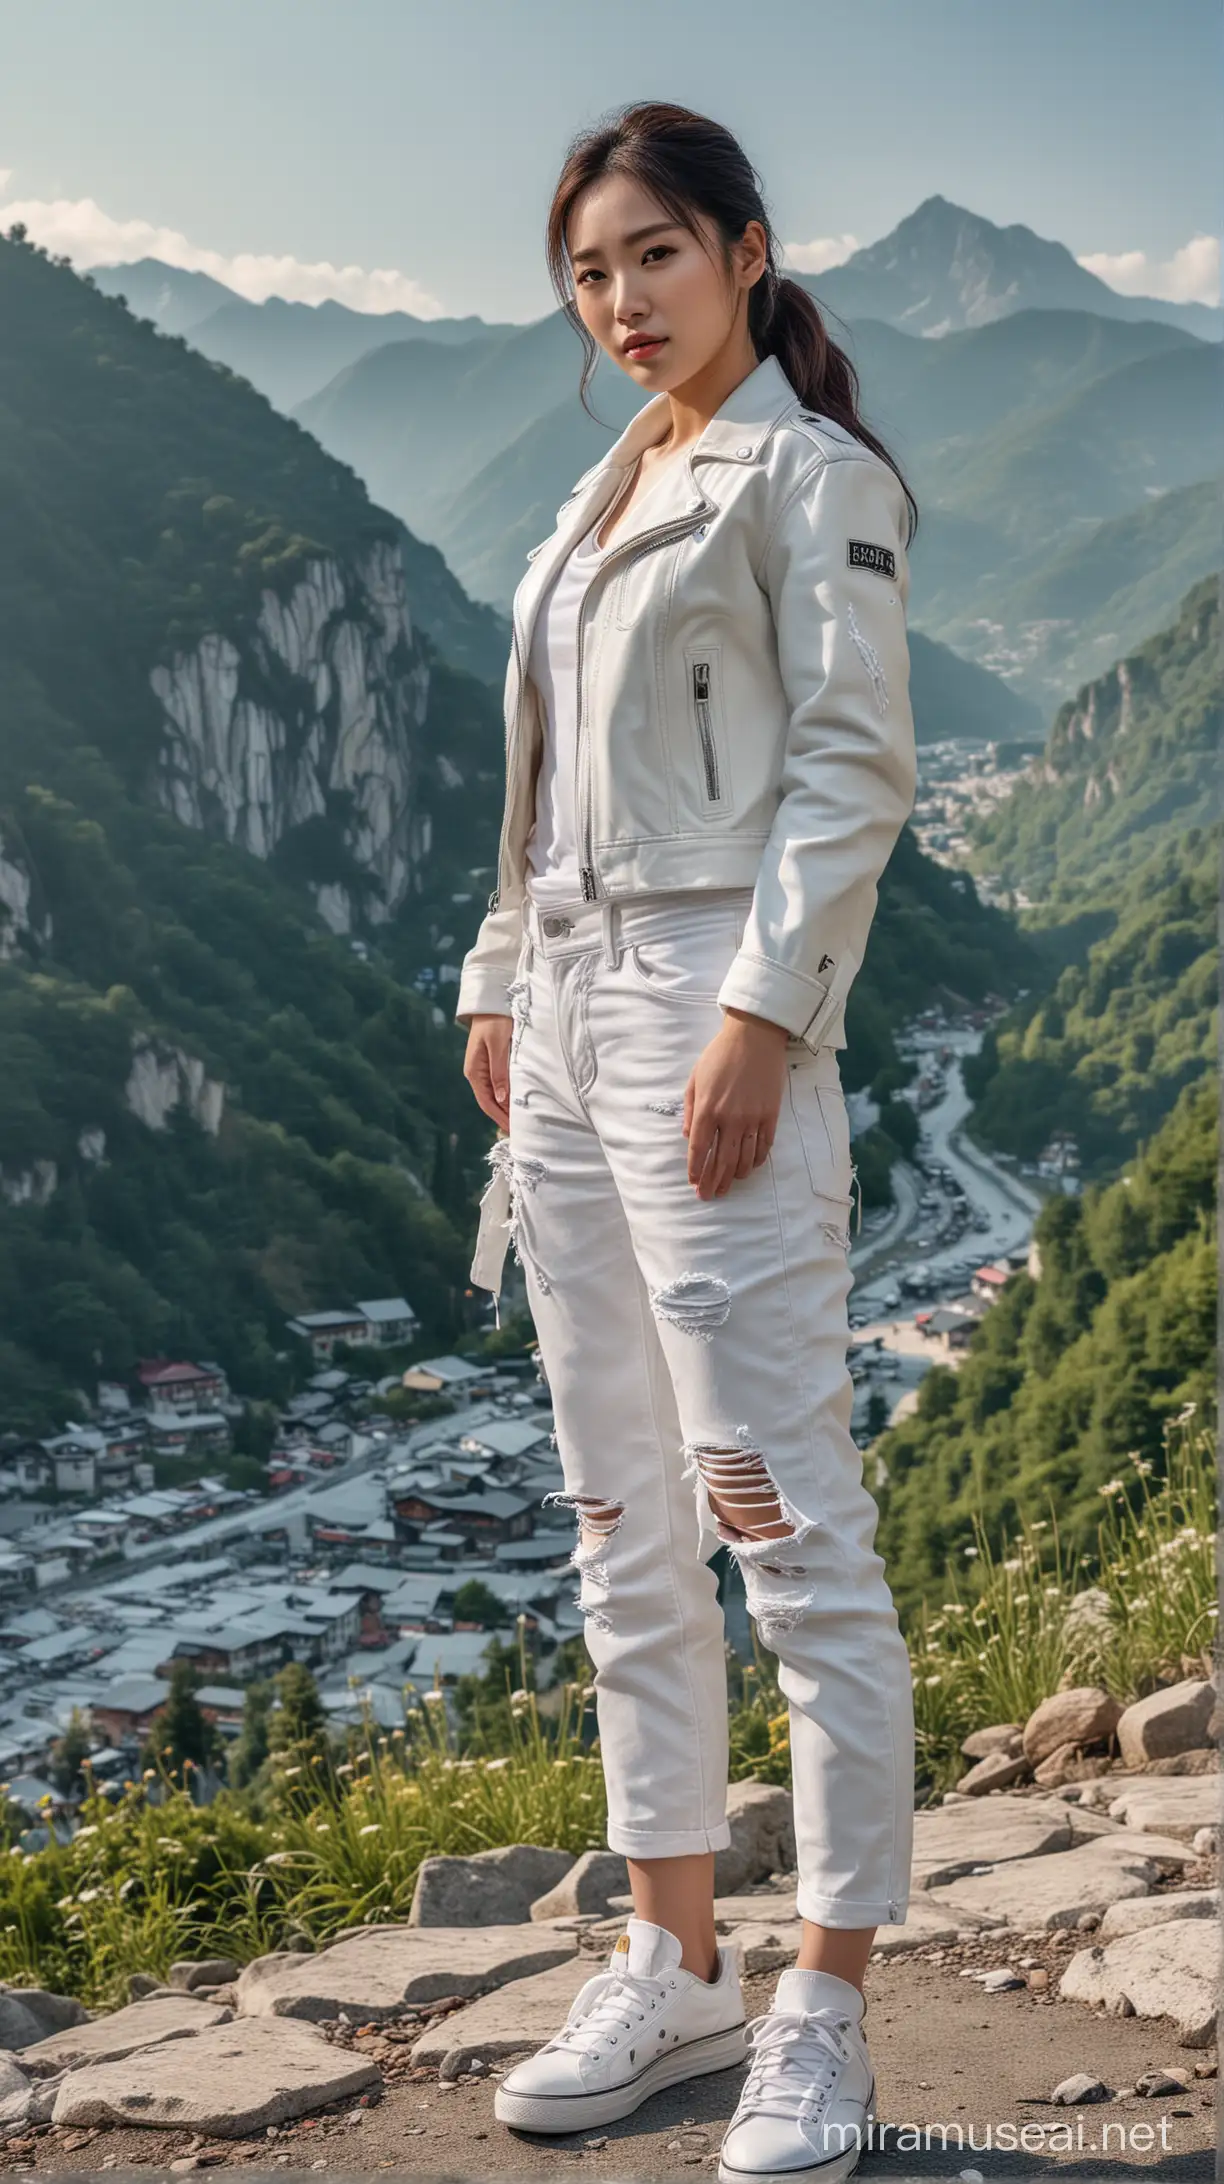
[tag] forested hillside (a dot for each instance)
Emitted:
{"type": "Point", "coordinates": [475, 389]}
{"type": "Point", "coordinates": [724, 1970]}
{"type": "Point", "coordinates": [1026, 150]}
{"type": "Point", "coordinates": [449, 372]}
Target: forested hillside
{"type": "Point", "coordinates": [1114, 843]}
{"type": "Point", "coordinates": [213, 1114]}
{"type": "Point", "coordinates": [1068, 1373]}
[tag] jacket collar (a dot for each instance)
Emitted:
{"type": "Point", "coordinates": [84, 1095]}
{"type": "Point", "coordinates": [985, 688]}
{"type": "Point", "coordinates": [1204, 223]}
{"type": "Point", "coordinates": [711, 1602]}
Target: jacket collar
{"type": "Point", "coordinates": [734, 434]}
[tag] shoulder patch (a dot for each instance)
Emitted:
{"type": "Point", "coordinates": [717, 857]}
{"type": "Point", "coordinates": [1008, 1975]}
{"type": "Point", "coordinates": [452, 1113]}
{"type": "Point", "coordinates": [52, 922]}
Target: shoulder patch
{"type": "Point", "coordinates": [863, 553]}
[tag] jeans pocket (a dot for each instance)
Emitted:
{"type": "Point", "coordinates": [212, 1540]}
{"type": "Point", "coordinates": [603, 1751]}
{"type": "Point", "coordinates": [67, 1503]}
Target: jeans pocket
{"type": "Point", "coordinates": [683, 961]}
{"type": "Point", "coordinates": [823, 1126]}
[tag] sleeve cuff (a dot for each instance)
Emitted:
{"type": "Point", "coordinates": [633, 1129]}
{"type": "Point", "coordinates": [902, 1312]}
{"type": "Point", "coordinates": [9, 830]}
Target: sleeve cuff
{"type": "Point", "coordinates": [771, 990]}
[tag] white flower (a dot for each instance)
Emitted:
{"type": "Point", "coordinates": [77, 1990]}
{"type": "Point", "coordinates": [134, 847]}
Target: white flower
{"type": "Point", "coordinates": [1112, 1486]}
{"type": "Point", "coordinates": [433, 1698]}
{"type": "Point", "coordinates": [81, 1834]}
{"type": "Point", "coordinates": [88, 1895]}
{"type": "Point", "coordinates": [291, 1771]}
{"type": "Point", "coordinates": [372, 1829]}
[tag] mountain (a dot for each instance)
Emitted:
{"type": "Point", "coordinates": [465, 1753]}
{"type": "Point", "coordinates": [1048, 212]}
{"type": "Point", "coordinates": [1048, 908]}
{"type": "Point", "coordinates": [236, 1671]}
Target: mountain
{"type": "Point", "coordinates": [1111, 585]}
{"type": "Point", "coordinates": [176, 300]}
{"type": "Point", "coordinates": [222, 748]}
{"type": "Point", "coordinates": [944, 268]}
{"type": "Point", "coordinates": [287, 350]}
{"type": "Point", "coordinates": [1114, 840]}
{"type": "Point", "coordinates": [1069, 1374]}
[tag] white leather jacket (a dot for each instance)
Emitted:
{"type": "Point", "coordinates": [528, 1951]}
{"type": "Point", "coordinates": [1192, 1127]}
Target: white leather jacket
{"type": "Point", "coordinates": [743, 699]}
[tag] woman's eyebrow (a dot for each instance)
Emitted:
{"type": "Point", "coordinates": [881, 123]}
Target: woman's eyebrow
{"type": "Point", "coordinates": [636, 235]}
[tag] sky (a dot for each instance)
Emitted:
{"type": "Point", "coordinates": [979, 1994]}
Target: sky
{"type": "Point", "coordinates": [400, 154]}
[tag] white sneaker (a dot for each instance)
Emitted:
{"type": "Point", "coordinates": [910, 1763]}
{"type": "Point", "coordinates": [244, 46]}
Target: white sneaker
{"type": "Point", "coordinates": [808, 2101]}
{"type": "Point", "coordinates": [639, 2026]}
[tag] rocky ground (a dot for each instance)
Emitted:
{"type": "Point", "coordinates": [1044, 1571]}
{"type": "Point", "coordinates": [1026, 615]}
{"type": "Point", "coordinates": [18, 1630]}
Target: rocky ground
{"type": "Point", "coordinates": [1058, 1970]}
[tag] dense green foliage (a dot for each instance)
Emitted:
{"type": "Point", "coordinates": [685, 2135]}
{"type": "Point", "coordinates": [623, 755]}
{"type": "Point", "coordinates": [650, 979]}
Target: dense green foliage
{"type": "Point", "coordinates": [1069, 1373]}
{"type": "Point", "coordinates": [1112, 840]}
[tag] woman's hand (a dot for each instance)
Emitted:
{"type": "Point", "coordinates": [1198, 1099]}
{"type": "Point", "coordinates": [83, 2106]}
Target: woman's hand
{"type": "Point", "coordinates": [732, 1099]}
{"type": "Point", "coordinates": [486, 1065]}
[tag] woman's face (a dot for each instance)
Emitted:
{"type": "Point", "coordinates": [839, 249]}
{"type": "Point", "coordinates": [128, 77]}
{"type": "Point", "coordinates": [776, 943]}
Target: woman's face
{"type": "Point", "coordinates": [638, 275]}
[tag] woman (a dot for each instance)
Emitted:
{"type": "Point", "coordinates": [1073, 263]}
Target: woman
{"type": "Point", "coordinates": [709, 758]}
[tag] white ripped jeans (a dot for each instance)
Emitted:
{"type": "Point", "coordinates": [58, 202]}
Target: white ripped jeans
{"type": "Point", "coordinates": [696, 1346]}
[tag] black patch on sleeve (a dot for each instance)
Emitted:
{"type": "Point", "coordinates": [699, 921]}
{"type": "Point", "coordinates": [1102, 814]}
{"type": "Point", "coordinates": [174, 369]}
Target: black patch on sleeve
{"type": "Point", "coordinates": [862, 553]}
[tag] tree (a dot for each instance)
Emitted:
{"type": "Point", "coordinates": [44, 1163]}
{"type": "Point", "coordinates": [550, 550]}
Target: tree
{"type": "Point", "coordinates": [300, 1760]}
{"type": "Point", "coordinates": [475, 1602]}
{"type": "Point", "coordinates": [67, 1754]}
{"type": "Point", "coordinates": [180, 1732]}
{"type": "Point", "coordinates": [252, 1743]}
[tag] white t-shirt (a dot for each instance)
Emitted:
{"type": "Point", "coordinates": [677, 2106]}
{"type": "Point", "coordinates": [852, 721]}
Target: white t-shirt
{"type": "Point", "coordinates": [552, 846]}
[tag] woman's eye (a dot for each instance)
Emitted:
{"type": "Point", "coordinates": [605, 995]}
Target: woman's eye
{"type": "Point", "coordinates": [666, 249]}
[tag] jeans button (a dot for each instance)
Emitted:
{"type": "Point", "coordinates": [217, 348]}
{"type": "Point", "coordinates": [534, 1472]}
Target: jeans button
{"type": "Point", "coordinates": [553, 926]}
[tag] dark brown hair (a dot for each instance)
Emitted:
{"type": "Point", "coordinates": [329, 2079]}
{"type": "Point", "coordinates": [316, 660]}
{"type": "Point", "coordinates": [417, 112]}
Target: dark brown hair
{"type": "Point", "coordinates": [690, 164]}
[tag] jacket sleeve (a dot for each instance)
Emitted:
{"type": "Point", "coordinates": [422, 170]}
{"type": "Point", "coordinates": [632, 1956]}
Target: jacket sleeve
{"type": "Point", "coordinates": [489, 966]}
{"type": "Point", "coordinates": [848, 771]}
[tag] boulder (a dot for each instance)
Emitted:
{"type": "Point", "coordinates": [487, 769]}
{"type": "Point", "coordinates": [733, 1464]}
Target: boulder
{"type": "Point", "coordinates": [997, 1771]}
{"type": "Point", "coordinates": [1141, 1911]}
{"type": "Point", "coordinates": [28, 2014]}
{"type": "Point", "coordinates": [137, 2025]}
{"type": "Point", "coordinates": [1176, 1719]}
{"type": "Point", "coordinates": [377, 1974]}
{"type": "Point", "coordinates": [1061, 1765]}
{"type": "Point", "coordinates": [492, 1888]}
{"type": "Point", "coordinates": [203, 1972]}
{"type": "Point", "coordinates": [229, 2082]}
{"type": "Point", "coordinates": [762, 1821]}
{"type": "Point", "coordinates": [12, 2077]}
{"type": "Point", "coordinates": [589, 1886]}
{"type": "Point", "coordinates": [1084, 1715]}
{"type": "Point", "coordinates": [1000, 1736]}
{"type": "Point", "coordinates": [1172, 1970]}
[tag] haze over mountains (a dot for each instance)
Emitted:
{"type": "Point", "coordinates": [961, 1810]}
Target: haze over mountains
{"type": "Point", "coordinates": [1059, 436]}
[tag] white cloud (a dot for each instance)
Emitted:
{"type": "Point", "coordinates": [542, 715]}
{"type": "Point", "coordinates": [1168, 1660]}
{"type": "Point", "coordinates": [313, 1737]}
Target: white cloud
{"type": "Point", "coordinates": [1191, 275]}
{"type": "Point", "coordinates": [90, 236]}
{"type": "Point", "coordinates": [817, 257]}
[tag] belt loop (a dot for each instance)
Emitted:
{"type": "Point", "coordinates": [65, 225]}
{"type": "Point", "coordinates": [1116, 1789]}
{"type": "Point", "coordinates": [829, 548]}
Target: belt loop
{"type": "Point", "coordinates": [611, 933]}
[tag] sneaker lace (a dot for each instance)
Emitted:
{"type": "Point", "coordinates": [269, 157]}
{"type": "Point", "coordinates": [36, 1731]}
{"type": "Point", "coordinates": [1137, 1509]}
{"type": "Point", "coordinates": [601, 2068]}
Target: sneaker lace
{"type": "Point", "coordinates": [791, 2052]}
{"type": "Point", "coordinates": [622, 2002]}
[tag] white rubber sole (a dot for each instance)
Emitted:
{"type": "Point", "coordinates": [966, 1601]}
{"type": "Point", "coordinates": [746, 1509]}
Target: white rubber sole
{"type": "Point", "coordinates": [833, 2171]}
{"type": "Point", "coordinates": [580, 2111]}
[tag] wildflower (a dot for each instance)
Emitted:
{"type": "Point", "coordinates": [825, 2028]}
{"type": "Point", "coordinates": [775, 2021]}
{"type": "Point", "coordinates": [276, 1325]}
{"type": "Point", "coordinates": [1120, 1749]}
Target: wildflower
{"type": "Point", "coordinates": [279, 1857]}
{"type": "Point", "coordinates": [433, 1698]}
{"type": "Point", "coordinates": [969, 1552]}
{"type": "Point", "coordinates": [127, 1886]}
{"type": "Point", "coordinates": [89, 1895]}
{"type": "Point", "coordinates": [1112, 1486]}
{"type": "Point", "coordinates": [291, 1771]}
{"type": "Point", "coordinates": [498, 1766]}
{"type": "Point", "coordinates": [932, 1681]}
{"type": "Point", "coordinates": [1016, 1562]}
{"type": "Point", "coordinates": [322, 1827]}
{"type": "Point", "coordinates": [517, 1697]}
{"type": "Point", "coordinates": [81, 1833]}
{"type": "Point", "coordinates": [372, 1828]}
{"type": "Point", "coordinates": [346, 1767]}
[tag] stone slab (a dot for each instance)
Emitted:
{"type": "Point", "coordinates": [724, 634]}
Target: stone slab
{"type": "Point", "coordinates": [137, 2025]}
{"type": "Point", "coordinates": [1170, 1805]}
{"type": "Point", "coordinates": [1172, 1970]}
{"type": "Point", "coordinates": [515, 2018]}
{"type": "Point", "coordinates": [227, 2082]}
{"type": "Point", "coordinates": [1057, 1889]}
{"type": "Point", "coordinates": [1131, 1917]}
{"type": "Point", "coordinates": [374, 1975]}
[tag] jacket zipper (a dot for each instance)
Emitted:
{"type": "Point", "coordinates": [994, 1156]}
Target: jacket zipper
{"type": "Point", "coordinates": [660, 537]}
{"type": "Point", "coordinates": [701, 701]}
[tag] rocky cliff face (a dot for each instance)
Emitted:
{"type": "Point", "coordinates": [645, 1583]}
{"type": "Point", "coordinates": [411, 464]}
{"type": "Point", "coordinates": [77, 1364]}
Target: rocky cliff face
{"type": "Point", "coordinates": [314, 718]}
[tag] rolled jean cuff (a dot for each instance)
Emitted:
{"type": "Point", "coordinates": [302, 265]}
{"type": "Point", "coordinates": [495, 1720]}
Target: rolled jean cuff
{"type": "Point", "coordinates": [849, 1911]}
{"type": "Point", "coordinates": [651, 1843]}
